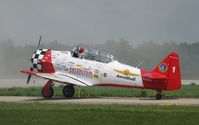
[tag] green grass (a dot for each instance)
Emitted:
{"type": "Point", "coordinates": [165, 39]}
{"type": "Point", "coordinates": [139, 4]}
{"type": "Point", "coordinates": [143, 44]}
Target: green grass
{"type": "Point", "coordinates": [187, 91]}
{"type": "Point", "coordinates": [68, 114]}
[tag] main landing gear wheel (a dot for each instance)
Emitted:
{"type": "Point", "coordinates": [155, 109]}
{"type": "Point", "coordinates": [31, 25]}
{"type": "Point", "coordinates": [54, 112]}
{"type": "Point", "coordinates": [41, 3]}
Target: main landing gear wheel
{"type": "Point", "coordinates": [47, 93]}
{"type": "Point", "coordinates": [158, 96]}
{"type": "Point", "coordinates": [68, 91]}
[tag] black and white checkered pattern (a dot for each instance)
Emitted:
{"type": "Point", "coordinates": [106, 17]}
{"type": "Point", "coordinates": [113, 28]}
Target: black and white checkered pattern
{"type": "Point", "coordinates": [37, 56]}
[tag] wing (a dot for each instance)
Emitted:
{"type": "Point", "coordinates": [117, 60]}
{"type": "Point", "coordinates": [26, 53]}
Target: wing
{"type": "Point", "coordinates": [59, 77]}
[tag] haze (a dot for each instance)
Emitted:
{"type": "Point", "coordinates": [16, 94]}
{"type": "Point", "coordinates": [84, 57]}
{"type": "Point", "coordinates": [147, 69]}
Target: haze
{"type": "Point", "coordinates": [82, 21]}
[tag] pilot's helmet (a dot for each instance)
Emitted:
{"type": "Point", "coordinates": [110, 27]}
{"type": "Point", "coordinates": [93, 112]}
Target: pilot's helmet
{"type": "Point", "coordinates": [81, 50]}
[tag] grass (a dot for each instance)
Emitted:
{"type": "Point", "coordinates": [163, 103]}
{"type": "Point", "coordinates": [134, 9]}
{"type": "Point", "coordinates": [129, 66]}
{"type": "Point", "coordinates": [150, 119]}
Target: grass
{"type": "Point", "coordinates": [187, 91]}
{"type": "Point", "coordinates": [55, 114]}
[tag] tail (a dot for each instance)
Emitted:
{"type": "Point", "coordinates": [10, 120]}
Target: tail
{"type": "Point", "coordinates": [170, 67]}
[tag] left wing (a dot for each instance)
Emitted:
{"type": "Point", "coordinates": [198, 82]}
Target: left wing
{"type": "Point", "coordinates": [59, 77]}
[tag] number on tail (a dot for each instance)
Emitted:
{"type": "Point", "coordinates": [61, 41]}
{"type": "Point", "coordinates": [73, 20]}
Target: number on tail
{"type": "Point", "coordinates": [174, 69]}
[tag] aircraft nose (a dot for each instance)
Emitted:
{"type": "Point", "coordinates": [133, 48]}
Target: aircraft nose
{"type": "Point", "coordinates": [37, 57]}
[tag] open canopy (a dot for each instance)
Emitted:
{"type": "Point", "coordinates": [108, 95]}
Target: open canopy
{"type": "Point", "coordinates": [98, 56]}
{"type": "Point", "coordinates": [95, 55]}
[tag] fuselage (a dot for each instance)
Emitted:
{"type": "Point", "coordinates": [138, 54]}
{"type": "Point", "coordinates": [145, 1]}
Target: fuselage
{"type": "Point", "coordinates": [103, 70]}
{"type": "Point", "coordinates": [94, 72]}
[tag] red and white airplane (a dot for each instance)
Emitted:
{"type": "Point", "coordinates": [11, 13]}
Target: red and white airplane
{"type": "Point", "coordinates": [100, 69]}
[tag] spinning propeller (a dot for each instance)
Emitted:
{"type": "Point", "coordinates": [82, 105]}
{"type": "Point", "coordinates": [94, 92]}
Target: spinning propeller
{"type": "Point", "coordinates": [31, 69]}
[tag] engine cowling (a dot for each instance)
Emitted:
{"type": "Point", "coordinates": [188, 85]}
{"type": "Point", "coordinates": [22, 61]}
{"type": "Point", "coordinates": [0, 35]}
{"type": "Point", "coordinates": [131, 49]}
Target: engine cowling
{"type": "Point", "coordinates": [41, 61]}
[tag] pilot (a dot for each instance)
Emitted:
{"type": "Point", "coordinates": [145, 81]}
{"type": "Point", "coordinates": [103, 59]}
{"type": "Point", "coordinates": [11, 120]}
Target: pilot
{"type": "Point", "coordinates": [81, 53]}
{"type": "Point", "coordinates": [75, 52]}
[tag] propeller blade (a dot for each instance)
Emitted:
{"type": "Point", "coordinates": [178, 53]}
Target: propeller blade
{"type": "Point", "coordinates": [31, 69]}
{"type": "Point", "coordinates": [38, 45]}
{"type": "Point", "coordinates": [29, 76]}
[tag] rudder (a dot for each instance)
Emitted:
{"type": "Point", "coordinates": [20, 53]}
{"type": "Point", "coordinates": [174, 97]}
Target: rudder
{"type": "Point", "coordinates": [170, 67]}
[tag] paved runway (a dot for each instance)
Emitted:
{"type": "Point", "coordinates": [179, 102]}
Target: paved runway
{"type": "Point", "coordinates": [39, 82]}
{"type": "Point", "coordinates": [104, 100]}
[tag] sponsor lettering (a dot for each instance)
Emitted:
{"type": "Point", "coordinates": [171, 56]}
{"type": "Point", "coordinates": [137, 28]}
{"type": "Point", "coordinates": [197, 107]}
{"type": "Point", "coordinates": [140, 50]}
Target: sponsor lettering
{"type": "Point", "coordinates": [62, 68]}
{"type": "Point", "coordinates": [105, 74]}
{"type": "Point", "coordinates": [126, 77]}
{"type": "Point", "coordinates": [96, 75]}
{"type": "Point", "coordinates": [71, 64]}
{"type": "Point", "coordinates": [80, 72]}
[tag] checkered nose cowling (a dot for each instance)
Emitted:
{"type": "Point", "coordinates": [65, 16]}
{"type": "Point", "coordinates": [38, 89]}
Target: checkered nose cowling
{"type": "Point", "coordinates": [36, 59]}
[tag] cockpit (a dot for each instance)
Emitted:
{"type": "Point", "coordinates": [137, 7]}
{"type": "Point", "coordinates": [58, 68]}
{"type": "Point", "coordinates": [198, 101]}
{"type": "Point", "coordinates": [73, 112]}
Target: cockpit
{"type": "Point", "coordinates": [98, 56]}
{"type": "Point", "coordinates": [94, 55]}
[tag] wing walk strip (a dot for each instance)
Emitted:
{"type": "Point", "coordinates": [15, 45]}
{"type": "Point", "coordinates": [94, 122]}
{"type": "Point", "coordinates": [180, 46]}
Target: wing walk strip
{"type": "Point", "coordinates": [75, 79]}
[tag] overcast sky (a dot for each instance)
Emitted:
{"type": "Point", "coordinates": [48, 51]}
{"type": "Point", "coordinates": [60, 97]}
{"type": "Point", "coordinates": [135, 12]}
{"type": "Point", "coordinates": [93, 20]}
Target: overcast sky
{"type": "Point", "coordinates": [99, 20]}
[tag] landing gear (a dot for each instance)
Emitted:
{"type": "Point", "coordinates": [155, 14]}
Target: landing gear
{"type": "Point", "coordinates": [68, 91]}
{"type": "Point", "coordinates": [47, 91]}
{"type": "Point", "coordinates": [158, 96]}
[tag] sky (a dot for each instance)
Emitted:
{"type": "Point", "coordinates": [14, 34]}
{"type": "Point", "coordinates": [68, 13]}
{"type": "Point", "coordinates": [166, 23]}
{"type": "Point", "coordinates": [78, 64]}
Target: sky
{"type": "Point", "coordinates": [82, 21]}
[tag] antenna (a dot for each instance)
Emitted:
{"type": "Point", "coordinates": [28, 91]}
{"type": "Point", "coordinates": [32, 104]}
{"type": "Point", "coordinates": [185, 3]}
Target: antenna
{"type": "Point", "coordinates": [139, 64]}
{"type": "Point", "coordinates": [99, 55]}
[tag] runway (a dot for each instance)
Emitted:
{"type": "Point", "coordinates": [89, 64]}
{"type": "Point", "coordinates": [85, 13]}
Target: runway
{"type": "Point", "coordinates": [104, 100]}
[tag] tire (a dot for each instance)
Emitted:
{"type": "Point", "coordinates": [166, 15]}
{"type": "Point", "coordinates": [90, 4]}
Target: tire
{"type": "Point", "coordinates": [68, 91]}
{"type": "Point", "coordinates": [158, 96]}
{"type": "Point", "coordinates": [50, 94]}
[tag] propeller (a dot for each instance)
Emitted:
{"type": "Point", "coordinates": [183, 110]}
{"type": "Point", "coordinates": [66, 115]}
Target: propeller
{"type": "Point", "coordinates": [38, 45]}
{"type": "Point", "coordinates": [31, 69]}
{"type": "Point", "coordinates": [29, 76]}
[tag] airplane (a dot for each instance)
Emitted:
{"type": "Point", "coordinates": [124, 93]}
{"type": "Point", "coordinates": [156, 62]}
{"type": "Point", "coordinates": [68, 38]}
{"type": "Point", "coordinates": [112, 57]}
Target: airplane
{"type": "Point", "coordinates": [96, 68]}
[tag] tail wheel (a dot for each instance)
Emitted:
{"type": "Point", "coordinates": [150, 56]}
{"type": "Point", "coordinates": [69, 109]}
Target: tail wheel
{"type": "Point", "coordinates": [158, 96]}
{"type": "Point", "coordinates": [47, 93]}
{"type": "Point", "coordinates": [68, 91]}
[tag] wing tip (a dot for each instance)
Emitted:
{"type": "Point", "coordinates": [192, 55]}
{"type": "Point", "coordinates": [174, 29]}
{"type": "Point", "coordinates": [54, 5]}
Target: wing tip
{"type": "Point", "coordinates": [28, 72]}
